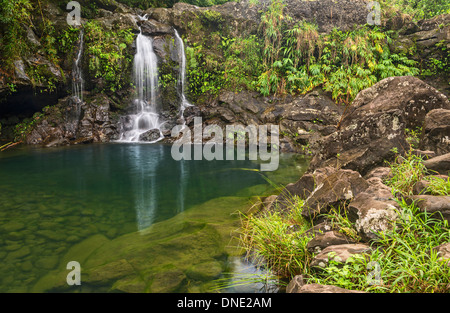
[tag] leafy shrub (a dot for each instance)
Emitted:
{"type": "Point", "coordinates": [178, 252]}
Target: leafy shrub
{"type": "Point", "coordinates": [108, 54]}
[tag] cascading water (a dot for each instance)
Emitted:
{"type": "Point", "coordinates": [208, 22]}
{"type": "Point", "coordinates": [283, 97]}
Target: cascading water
{"type": "Point", "coordinates": [146, 117]}
{"type": "Point", "coordinates": [184, 102]}
{"type": "Point", "coordinates": [73, 114]}
{"type": "Point", "coordinates": [77, 77]}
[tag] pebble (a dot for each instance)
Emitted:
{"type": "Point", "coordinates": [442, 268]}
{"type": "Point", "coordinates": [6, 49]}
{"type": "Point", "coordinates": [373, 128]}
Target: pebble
{"type": "Point", "coordinates": [13, 226]}
{"type": "Point", "coordinates": [47, 262]}
{"type": "Point", "coordinates": [13, 247]}
{"type": "Point", "coordinates": [27, 266]}
{"type": "Point", "coordinates": [18, 254]}
{"type": "Point", "coordinates": [14, 236]}
{"type": "Point", "coordinates": [73, 238]}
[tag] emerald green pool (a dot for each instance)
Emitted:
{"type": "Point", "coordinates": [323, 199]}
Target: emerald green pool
{"type": "Point", "coordinates": [135, 219]}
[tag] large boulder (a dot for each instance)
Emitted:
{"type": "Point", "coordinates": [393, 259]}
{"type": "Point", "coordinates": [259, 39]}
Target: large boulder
{"type": "Point", "coordinates": [334, 190]}
{"type": "Point", "coordinates": [374, 127]}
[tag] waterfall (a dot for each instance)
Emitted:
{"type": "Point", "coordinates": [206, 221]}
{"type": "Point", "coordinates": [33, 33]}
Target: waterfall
{"type": "Point", "coordinates": [145, 117]}
{"type": "Point", "coordinates": [77, 77]}
{"type": "Point", "coordinates": [184, 102]}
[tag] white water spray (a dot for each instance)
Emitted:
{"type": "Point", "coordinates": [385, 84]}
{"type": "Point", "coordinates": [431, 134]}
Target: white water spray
{"type": "Point", "coordinates": [145, 117]}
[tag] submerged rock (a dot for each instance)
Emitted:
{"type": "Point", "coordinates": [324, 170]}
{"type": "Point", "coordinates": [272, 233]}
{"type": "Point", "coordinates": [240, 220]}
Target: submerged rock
{"type": "Point", "coordinates": [151, 135]}
{"type": "Point", "coordinates": [373, 210]}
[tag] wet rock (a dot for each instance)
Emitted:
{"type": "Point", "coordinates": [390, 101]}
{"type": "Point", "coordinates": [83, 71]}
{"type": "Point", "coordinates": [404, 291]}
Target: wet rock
{"type": "Point", "coordinates": [168, 281]}
{"type": "Point", "coordinates": [13, 247]}
{"type": "Point", "coordinates": [110, 272]}
{"type": "Point", "coordinates": [302, 188]}
{"type": "Point", "coordinates": [336, 189]}
{"type": "Point", "coordinates": [317, 288]}
{"type": "Point", "coordinates": [47, 262]}
{"type": "Point", "coordinates": [19, 71]}
{"type": "Point", "coordinates": [18, 254]}
{"type": "Point", "coordinates": [307, 116]}
{"type": "Point", "coordinates": [340, 253]}
{"type": "Point", "coordinates": [31, 36]}
{"type": "Point", "coordinates": [150, 136]}
{"type": "Point", "coordinates": [26, 266]}
{"type": "Point", "coordinates": [436, 131]}
{"type": "Point", "coordinates": [440, 164]}
{"type": "Point", "coordinates": [205, 271]}
{"type": "Point", "coordinates": [14, 236]}
{"type": "Point", "coordinates": [319, 228]}
{"type": "Point", "coordinates": [427, 154]}
{"type": "Point", "coordinates": [52, 235]}
{"type": "Point", "coordinates": [420, 188]}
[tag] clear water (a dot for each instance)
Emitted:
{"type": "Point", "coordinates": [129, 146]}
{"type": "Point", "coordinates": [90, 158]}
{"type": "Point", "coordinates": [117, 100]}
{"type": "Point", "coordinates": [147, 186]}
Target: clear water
{"type": "Point", "coordinates": [52, 200]}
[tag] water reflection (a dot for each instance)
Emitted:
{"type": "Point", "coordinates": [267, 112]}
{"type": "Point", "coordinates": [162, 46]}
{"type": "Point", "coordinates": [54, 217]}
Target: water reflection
{"type": "Point", "coordinates": [159, 185]}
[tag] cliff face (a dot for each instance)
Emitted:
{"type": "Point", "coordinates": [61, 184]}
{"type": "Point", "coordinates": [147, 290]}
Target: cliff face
{"type": "Point", "coordinates": [37, 81]}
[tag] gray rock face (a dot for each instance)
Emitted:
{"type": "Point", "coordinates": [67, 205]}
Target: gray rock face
{"type": "Point", "coordinates": [375, 124]}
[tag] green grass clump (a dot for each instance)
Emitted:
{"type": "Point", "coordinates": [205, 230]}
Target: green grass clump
{"type": "Point", "coordinates": [403, 259]}
{"type": "Point", "coordinates": [406, 172]}
{"type": "Point", "coordinates": [271, 242]}
{"type": "Point", "coordinates": [438, 186]}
